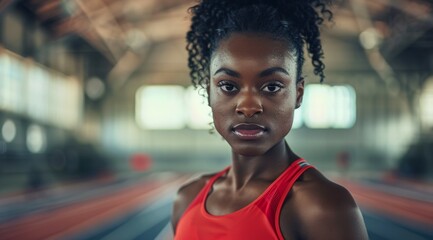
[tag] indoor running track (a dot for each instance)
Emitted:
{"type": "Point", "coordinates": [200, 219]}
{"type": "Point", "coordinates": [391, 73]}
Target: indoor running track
{"type": "Point", "coordinates": [141, 210]}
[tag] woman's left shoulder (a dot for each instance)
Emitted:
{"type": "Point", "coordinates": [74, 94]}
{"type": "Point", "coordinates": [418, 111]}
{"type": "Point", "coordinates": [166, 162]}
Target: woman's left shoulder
{"type": "Point", "coordinates": [325, 209]}
{"type": "Point", "coordinates": [321, 192]}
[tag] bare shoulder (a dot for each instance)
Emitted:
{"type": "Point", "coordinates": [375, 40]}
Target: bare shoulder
{"type": "Point", "coordinates": [326, 210]}
{"type": "Point", "coordinates": [186, 194]}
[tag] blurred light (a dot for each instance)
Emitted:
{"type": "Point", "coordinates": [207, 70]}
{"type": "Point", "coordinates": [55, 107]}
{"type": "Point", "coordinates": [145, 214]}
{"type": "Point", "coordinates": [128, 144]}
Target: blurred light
{"type": "Point", "coordinates": [200, 114]}
{"type": "Point", "coordinates": [298, 118]}
{"type": "Point", "coordinates": [136, 39]}
{"type": "Point", "coordinates": [141, 162]}
{"type": "Point", "coordinates": [317, 106]}
{"type": "Point", "coordinates": [69, 7]}
{"type": "Point", "coordinates": [95, 88]}
{"type": "Point", "coordinates": [9, 130]}
{"type": "Point", "coordinates": [12, 70]}
{"type": "Point", "coordinates": [160, 107]}
{"type": "Point", "coordinates": [329, 107]}
{"type": "Point", "coordinates": [36, 139]}
{"type": "Point", "coordinates": [37, 92]}
{"type": "Point", "coordinates": [370, 38]}
{"type": "Point", "coordinates": [344, 106]}
{"type": "Point", "coordinates": [426, 103]}
{"type": "Point", "coordinates": [4, 80]}
{"type": "Point", "coordinates": [72, 102]}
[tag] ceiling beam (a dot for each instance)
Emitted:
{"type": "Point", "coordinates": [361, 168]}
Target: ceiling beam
{"type": "Point", "coordinates": [415, 8]}
{"type": "Point", "coordinates": [376, 59]}
{"type": "Point", "coordinates": [108, 29]}
{"type": "Point", "coordinates": [49, 10]}
{"type": "Point", "coordinates": [170, 24]}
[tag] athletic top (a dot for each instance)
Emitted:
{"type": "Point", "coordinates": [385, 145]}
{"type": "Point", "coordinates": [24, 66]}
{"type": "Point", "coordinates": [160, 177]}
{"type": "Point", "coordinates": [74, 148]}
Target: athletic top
{"type": "Point", "coordinates": [258, 220]}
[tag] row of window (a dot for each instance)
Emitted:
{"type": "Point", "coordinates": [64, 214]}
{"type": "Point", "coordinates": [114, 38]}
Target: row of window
{"type": "Point", "coordinates": [32, 90]}
{"type": "Point", "coordinates": [176, 107]}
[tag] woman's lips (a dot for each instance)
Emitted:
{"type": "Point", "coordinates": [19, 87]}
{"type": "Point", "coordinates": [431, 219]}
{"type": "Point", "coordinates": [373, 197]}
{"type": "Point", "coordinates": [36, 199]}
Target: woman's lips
{"type": "Point", "coordinates": [249, 130]}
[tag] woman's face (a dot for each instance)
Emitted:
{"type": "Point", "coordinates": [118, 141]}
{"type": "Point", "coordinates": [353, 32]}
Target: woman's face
{"type": "Point", "coordinates": [253, 92]}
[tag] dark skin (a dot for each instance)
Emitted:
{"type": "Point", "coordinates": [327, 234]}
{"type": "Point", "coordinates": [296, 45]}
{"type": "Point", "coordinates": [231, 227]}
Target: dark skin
{"type": "Point", "coordinates": [253, 80]}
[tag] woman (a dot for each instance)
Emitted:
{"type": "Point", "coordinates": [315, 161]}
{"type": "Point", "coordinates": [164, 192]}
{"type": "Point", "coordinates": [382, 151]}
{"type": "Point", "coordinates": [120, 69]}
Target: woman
{"type": "Point", "coordinates": [248, 55]}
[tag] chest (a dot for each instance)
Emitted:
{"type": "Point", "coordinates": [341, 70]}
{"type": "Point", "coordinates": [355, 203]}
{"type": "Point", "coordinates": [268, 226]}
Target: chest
{"type": "Point", "coordinates": [222, 200]}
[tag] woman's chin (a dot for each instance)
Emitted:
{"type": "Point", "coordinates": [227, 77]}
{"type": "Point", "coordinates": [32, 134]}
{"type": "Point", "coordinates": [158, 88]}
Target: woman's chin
{"type": "Point", "coordinates": [249, 150]}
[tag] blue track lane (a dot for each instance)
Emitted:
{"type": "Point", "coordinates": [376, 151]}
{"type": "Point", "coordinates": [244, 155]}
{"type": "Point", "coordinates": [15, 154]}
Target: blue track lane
{"type": "Point", "coordinates": [144, 223]}
{"type": "Point", "coordinates": [381, 227]}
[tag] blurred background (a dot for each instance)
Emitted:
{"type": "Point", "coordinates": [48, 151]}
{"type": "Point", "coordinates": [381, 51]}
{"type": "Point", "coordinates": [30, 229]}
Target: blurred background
{"type": "Point", "coordinates": [99, 125]}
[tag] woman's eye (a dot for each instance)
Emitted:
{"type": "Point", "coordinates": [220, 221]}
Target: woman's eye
{"type": "Point", "coordinates": [227, 87]}
{"type": "Point", "coordinates": [272, 88]}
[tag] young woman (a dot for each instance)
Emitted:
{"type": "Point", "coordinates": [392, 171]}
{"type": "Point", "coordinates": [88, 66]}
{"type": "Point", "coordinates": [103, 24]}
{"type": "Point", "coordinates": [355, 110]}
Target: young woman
{"type": "Point", "coordinates": [248, 55]}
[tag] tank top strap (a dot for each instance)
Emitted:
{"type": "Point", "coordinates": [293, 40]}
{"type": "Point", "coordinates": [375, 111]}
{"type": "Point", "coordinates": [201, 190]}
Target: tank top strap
{"type": "Point", "coordinates": [289, 174]}
{"type": "Point", "coordinates": [205, 190]}
{"type": "Point", "coordinates": [272, 202]}
{"type": "Point", "coordinates": [212, 180]}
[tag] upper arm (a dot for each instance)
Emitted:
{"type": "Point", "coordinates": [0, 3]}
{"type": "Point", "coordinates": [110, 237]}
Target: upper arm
{"type": "Point", "coordinates": [331, 213]}
{"type": "Point", "coordinates": [185, 195]}
{"type": "Point", "coordinates": [179, 206]}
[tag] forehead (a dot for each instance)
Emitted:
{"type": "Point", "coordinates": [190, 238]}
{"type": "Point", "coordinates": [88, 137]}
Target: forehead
{"type": "Point", "coordinates": [253, 50]}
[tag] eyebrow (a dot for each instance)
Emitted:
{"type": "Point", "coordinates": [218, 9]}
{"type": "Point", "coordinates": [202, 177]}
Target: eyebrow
{"type": "Point", "coordinates": [228, 72]}
{"type": "Point", "coordinates": [264, 73]}
{"type": "Point", "coordinates": [273, 70]}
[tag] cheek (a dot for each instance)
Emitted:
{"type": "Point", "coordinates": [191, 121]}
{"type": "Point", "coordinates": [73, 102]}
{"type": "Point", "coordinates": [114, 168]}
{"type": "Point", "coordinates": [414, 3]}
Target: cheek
{"type": "Point", "coordinates": [219, 106]}
{"type": "Point", "coordinates": [285, 117]}
{"type": "Point", "coordinates": [217, 100]}
{"type": "Point", "coordinates": [212, 96]}
{"type": "Point", "coordinates": [283, 111]}
{"type": "Point", "coordinates": [220, 120]}
{"type": "Point", "coordinates": [284, 104]}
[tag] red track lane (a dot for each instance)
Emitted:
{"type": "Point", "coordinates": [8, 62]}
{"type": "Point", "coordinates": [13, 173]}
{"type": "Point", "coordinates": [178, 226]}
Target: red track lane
{"type": "Point", "coordinates": [84, 215]}
{"type": "Point", "coordinates": [23, 194]}
{"type": "Point", "coordinates": [395, 206]}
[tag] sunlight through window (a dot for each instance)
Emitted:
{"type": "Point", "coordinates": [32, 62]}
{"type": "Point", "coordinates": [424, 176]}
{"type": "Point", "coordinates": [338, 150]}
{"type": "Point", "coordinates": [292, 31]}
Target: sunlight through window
{"type": "Point", "coordinates": [199, 113]}
{"type": "Point", "coordinates": [426, 103]}
{"type": "Point", "coordinates": [160, 107]}
{"type": "Point", "coordinates": [329, 107]}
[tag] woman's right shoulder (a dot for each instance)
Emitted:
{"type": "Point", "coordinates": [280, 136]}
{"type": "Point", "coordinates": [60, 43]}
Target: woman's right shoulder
{"type": "Point", "coordinates": [192, 187]}
{"type": "Point", "coordinates": [187, 193]}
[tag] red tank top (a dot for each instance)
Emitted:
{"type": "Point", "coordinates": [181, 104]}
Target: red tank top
{"type": "Point", "coordinates": [258, 220]}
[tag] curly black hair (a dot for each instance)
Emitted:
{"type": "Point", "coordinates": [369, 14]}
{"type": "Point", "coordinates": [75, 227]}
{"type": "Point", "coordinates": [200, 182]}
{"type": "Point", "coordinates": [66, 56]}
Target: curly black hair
{"type": "Point", "coordinates": [295, 21]}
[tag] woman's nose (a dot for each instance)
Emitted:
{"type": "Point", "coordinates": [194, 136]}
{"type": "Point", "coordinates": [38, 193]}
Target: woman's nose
{"type": "Point", "coordinates": [249, 105]}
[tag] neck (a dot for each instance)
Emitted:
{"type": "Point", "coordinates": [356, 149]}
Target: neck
{"type": "Point", "coordinates": [266, 167]}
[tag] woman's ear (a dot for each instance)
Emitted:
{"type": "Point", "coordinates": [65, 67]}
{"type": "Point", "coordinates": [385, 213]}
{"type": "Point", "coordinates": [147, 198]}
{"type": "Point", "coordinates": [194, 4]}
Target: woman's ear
{"type": "Point", "coordinates": [299, 92]}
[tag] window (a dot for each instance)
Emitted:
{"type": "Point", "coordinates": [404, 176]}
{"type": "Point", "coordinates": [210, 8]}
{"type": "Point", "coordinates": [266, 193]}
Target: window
{"type": "Point", "coordinates": [199, 113]}
{"type": "Point", "coordinates": [329, 106]}
{"type": "Point", "coordinates": [344, 102]}
{"type": "Point", "coordinates": [426, 103]}
{"type": "Point", "coordinates": [38, 92]}
{"type": "Point", "coordinates": [161, 107]}
{"type": "Point", "coordinates": [298, 118]}
{"type": "Point", "coordinates": [12, 72]}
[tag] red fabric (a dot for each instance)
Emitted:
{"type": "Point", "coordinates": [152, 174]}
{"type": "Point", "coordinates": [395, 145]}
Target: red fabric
{"type": "Point", "coordinates": [258, 220]}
